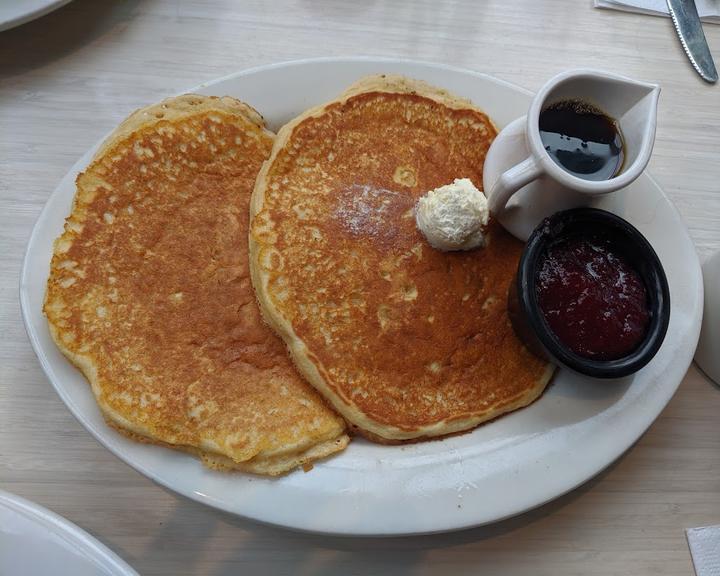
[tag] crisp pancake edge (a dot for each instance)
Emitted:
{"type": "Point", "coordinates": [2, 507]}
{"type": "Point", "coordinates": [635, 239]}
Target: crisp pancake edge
{"type": "Point", "coordinates": [371, 429]}
{"type": "Point", "coordinates": [175, 109]}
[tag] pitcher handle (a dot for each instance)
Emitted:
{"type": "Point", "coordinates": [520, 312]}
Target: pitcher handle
{"type": "Point", "coordinates": [510, 182]}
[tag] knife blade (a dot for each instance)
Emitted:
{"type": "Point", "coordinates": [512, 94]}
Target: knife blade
{"type": "Point", "coordinates": [689, 29]}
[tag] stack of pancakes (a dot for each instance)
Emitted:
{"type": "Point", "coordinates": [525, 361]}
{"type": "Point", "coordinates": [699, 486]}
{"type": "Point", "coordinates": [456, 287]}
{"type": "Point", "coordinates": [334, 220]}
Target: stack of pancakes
{"type": "Point", "coordinates": [150, 290]}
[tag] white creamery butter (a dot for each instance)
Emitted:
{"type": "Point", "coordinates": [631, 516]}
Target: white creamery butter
{"type": "Point", "coordinates": [453, 217]}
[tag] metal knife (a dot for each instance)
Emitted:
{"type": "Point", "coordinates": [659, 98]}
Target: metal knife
{"type": "Point", "coordinates": [689, 28]}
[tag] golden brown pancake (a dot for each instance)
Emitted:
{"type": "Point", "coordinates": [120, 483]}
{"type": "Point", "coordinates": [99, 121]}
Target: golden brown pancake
{"type": "Point", "coordinates": [405, 341]}
{"type": "Point", "coordinates": [150, 296]}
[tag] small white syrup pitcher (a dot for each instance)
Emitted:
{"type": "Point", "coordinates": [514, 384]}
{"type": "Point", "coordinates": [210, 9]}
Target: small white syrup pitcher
{"type": "Point", "coordinates": [522, 181]}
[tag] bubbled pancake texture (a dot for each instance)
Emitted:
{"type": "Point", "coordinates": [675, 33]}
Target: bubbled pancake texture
{"type": "Point", "coordinates": [150, 295]}
{"type": "Point", "coordinates": [404, 340]}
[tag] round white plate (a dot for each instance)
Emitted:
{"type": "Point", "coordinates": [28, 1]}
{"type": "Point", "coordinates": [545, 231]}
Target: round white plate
{"type": "Point", "coordinates": [520, 461]}
{"type": "Point", "coordinates": [35, 541]}
{"type": "Point", "coordinates": [16, 12]}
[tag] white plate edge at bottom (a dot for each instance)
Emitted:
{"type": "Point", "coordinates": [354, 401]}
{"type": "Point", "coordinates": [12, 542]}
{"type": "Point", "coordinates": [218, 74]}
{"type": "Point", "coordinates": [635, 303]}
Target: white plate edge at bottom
{"type": "Point", "coordinates": [71, 533]}
{"type": "Point", "coordinates": [39, 11]}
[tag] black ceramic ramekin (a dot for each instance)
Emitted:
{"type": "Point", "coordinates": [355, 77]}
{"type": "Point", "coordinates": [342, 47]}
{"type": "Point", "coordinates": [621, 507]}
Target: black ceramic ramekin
{"type": "Point", "coordinates": [528, 320]}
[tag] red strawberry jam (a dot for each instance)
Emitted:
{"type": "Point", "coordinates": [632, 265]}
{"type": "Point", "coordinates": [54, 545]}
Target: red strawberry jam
{"type": "Point", "coordinates": [592, 298]}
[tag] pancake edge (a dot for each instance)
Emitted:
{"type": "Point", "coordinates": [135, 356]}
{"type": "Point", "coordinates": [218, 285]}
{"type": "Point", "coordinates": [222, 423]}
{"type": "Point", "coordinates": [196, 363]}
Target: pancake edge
{"type": "Point", "coordinates": [176, 108]}
{"type": "Point", "coordinates": [373, 430]}
{"type": "Point", "coordinates": [270, 463]}
{"type": "Point", "coordinates": [265, 465]}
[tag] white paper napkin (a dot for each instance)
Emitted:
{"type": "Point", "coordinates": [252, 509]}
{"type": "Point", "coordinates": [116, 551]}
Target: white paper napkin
{"type": "Point", "coordinates": [705, 549]}
{"type": "Point", "coordinates": [709, 10]}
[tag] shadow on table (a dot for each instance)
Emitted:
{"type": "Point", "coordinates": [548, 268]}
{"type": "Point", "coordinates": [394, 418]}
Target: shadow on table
{"type": "Point", "coordinates": [58, 34]}
{"type": "Point", "coordinates": [707, 378]}
{"type": "Point", "coordinates": [260, 547]}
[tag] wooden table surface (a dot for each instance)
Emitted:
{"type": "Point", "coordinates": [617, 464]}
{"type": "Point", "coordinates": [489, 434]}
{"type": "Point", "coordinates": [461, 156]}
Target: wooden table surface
{"type": "Point", "coordinates": [70, 77]}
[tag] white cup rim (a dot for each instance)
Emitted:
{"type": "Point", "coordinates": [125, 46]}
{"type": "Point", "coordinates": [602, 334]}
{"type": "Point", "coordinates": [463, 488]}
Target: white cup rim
{"type": "Point", "coordinates": [552, 169]}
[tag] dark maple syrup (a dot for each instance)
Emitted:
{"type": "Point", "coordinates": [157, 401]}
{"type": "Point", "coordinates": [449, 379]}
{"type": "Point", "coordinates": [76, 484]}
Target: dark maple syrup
{"type": "Point", "coordinates": [582, 139]}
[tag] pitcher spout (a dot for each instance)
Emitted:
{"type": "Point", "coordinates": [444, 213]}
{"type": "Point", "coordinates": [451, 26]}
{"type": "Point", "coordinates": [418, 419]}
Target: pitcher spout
{"type": "Point", "coordinates": [632, 103]}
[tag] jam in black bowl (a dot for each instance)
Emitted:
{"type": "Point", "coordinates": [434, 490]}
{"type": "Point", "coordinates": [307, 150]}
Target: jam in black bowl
{"type": "Point", "coordinates": [590, 294]}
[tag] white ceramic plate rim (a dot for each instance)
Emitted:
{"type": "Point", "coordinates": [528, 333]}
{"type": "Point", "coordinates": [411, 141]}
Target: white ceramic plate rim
{"type": "Point", "coordinates": [48, 521]}
{"type": "Point", "coordinates": [414, 490]}
{"type": "Point", "coordinates": [17, 13]}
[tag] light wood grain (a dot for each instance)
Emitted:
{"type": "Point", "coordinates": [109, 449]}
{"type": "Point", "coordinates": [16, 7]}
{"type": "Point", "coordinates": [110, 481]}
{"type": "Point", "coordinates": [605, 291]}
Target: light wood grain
{"type": "Point", "coordinates": [67, 79]}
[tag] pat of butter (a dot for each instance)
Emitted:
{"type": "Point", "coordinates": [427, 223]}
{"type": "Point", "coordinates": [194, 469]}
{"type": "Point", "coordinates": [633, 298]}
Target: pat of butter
{"type": "Point", "coordinates": [453, 217]}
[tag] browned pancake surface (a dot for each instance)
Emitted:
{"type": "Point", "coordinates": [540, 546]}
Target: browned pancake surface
{"type": "Point", "coordinates": [406, 341]}
{"type": "Point", "coordinates": [150, 293]}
